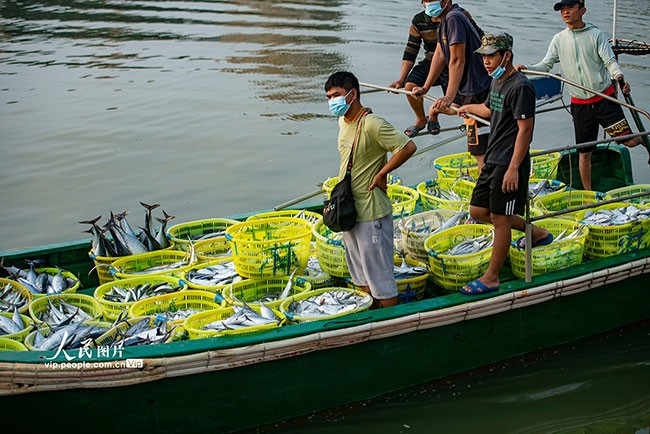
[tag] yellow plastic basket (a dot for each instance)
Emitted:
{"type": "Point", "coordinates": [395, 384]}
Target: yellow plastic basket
{"type": "Point", "coordinates": [113, 309]}
{"type": "Point", "coordinates": [318, 279]}
{"type": "Point", "coordinates": [86, 303]}
{"type": "Point", "coordinates": [412, 288]}
{"type": "Point", "coordinates": [252, 290]}
{"type": "Point", "coordinates": [330, 183]}
{"type": "Point", "coordinates": [270, 247]}
{"type": "Point", "coordinates": [417, 228]}
{"type": "Point", "coordinates": [181, 234]}
{"type": "Point", "coordinates": [560, 201]}
{"type": "Point", "coordinates": [632, 189]}
{"type": "Point", "coordinates": [403, 199]}
{"type": "Point", "coordinates": [108, 338]}
{"type": "Point", "coordinates": [19, 336]}
{"type": "Point", "coordinates": [284, 307]}
{"type": "Point", "coordinates": [188, 299]}
{"type": "Point", "coordinates": [103, 266]}
{"type": "Point", "coordinates": [604, 241]}
{"type": "Point", "coordinates": [16, 287]}
{"type": "Point", "coordinates": [456, 165]}
{"type": "Point", "coordinates": [545, 166]}
{"type": "Point", "coordinates": [451, 272]}
{"type": "Point", "coordinates": [557, 185]}
{"type": "Point", "coordinates": [330, 251]}
{"type": "Point", "coordinates": [309, 216]}
{"type": "Point", "coordinates": [462, 187]}
{"type": "Point", "coordinates": [52, 271]}
{"type": "Point", "coordinates": [212, 249]}
{"type": "Point", "coordinates": [194, 323]}
{"type": "Point", "coordinates": [45, 331]}
{"type": "Point", "coordinates": [558, 255]}
{"type": "Point", "coordinates": [11, 345]}
{"type": "Point", "coordinates": [133, 265]}
{"type": "Point", "coordinates": [209, 288]}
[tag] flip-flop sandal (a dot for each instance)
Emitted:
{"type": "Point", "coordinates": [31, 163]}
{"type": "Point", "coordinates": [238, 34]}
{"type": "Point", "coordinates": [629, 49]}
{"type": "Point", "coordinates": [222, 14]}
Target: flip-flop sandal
{"type": "Point", "coordinates": [521, 242]}
{"type": "Point", "coordinates": [477, 287]}
{"type": "Point", "coordinates": [412, 130]}
{"type": "Point", "coordinates": [433, 127]}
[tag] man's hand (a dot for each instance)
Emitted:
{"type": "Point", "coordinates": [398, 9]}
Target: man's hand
{"type": "Point", "coordinates": [442, 103]}
{"type": "Point", "coordinates": [519, 67]}
{"type": "Point", "coordinates": [379, 181]}
{"type": "Point", "coordinates": [462, 111]}
{"type": "Point", "coordinates": [625, 88]}
{"type": "Point", "coordinates": [397, 84]}
{"type": "Point", "coordinates": [510, 181]}
{"type": "Point", "coordinates": [417, 90]}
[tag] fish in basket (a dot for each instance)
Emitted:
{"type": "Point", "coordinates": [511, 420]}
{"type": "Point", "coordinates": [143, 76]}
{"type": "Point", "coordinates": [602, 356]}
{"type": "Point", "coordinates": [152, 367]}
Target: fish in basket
{"type": "Point", "coordinates": [325, 303]}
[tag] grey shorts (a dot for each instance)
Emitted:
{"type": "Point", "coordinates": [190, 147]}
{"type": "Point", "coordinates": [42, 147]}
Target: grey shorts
{"type": "Point", "coordinates": [369, 253]}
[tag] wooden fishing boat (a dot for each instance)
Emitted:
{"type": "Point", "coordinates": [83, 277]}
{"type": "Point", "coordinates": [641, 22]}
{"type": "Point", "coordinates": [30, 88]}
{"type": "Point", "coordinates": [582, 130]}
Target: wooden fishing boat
{"type": "Point", "coordinates": [230, 383]}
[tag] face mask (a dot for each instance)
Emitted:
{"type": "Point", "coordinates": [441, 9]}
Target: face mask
{"type": "Point", "coordinates": [338, 106]}
{"type": "Point", "coordinates": [433, 9]}
{"type": "Point", "coordinates": [499, 71]}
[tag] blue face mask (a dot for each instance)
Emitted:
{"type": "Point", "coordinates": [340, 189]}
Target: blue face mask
{"type": "Point", "coordinates": [499, 71]}
{"type": "Point", "coordinates": [433, 9]}
{"type": "Point", "coordinates": [338, 106]}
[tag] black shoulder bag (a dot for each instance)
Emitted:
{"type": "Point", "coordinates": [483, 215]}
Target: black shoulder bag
{"type": "Point", "coordinates": [339, 212]}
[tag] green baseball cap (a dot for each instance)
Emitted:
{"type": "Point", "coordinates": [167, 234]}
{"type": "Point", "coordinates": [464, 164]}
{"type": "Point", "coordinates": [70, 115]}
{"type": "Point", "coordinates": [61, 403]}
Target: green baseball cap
{"type": "Point", "coordinates": [493, 42]}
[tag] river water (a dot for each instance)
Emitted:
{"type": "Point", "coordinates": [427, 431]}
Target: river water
{"type": "Point", "coordinates": [212, 108]}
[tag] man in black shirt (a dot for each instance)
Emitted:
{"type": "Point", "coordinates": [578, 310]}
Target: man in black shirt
{"type": "Point", "coordinates": [501, 191]}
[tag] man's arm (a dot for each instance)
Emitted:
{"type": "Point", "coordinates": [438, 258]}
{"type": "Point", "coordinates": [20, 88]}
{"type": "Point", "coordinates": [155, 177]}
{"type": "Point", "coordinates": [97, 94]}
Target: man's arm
{"type": "Point", "coordinates": [547, 63]}
{"type": "Point", "coordinates": [407, 65]}
{"type": "Point", "coordinates": [437, 66]}
{"type": "Point", "coordinates": [522, 143]}
{"type": "Point", "coordinates": [396, 161]}
{"type": "Point", "coordinates": [456, 67]}
{"type": "Point", "coordinates": [480, 110]}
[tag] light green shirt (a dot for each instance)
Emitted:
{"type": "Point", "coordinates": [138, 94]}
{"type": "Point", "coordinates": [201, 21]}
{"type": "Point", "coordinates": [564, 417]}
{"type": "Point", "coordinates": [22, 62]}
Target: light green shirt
{"type": "Point", "coordinates": [376, 138]}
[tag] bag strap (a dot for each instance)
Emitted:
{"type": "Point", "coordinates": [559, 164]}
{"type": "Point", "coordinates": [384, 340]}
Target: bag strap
{"type": "Point", "coordinates": [356, 138]}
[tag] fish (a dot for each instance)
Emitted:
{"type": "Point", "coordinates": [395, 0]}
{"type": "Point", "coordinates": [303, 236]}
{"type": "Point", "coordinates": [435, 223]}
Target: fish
{"type": "Point", "coordinates": [242, 317]}
{"type": "Point", "coordinates": [329, 303]}
{"type": "Point", "coordinates": [43, 282]}
{"type": "Point", "coordinates": [148, 221]}
{"type": "Point", "coordinates": [213, 275]}
{"type": "Point", "coordinates": [471, 245]}
{"type": "Point", "coordinates": [615, 217]}
{"type": "Point", "coordinates": [120, 294]}
{"type": "Point", "coordinates": [287, 289]}
{"type": "Point", "coordinates": [453, 221]}
{"type": "Point", "coordinates": [9, 326]}
{"type": "Point", "coordinates": [11, 298]}
{"type": "Point", "coordinates": [161, 236]}
{"type": "Point", "coordinates": [141, 332]}
{"type": "Point", "coordinates": [543, 188]}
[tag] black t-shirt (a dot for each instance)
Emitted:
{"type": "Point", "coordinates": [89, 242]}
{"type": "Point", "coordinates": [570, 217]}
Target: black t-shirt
{"type": "Point", "coordinates": [456, 28]}
{"type": "Point", "coordinates": [509, 100]}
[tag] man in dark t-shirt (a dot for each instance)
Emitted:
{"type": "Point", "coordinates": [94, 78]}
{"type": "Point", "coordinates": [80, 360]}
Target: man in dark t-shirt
{"type": "Point", "coordinates": [468, 81]}
{"type": "Point", "coordinates": [502, 188]}
{"type": "Point", "coordinates": [422, 32]}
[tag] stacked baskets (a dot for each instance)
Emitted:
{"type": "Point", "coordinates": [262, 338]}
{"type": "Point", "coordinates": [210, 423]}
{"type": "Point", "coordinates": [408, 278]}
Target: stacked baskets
{"type": "Point", "coordinates": [330, 251]}
{"type": "Point", "coordinates": [213, 229]}
{"type": "Point", "coordinates": [417, 228]}
{"type": "Point", "coordinates": [461, 187]}
{"type": "Point", "coordinates": [560, 201]}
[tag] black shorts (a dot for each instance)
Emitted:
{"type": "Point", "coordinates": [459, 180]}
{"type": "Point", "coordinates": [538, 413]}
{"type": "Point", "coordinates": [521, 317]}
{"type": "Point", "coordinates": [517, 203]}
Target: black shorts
{"type": "Point", "coordinates": [419, 73]}
{"type": "Point", "coordinates": [489, 194]}
{"type": "Point", "coordinates": [587, 118]}
{"type": "Point", "coordinates": [477, 138]}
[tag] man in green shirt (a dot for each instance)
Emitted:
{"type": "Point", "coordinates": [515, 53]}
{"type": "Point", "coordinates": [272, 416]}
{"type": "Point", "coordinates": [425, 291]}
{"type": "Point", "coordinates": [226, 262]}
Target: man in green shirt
{"type": "Point", "coordinates": [369, 245]}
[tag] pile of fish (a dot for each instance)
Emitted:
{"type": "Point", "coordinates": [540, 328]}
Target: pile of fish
{"type": "Point", "coordinates": [62, 312]}
{"type": "Point", "coordinates": [446, 194]}
{"type": "Point", "coordinates": [124, 240]}
{"type": "Point", "coordinates": [543, 187]}
{"type": "Point", "coordinates": [68, 336]}
{"type": "Point", "coordinates": [121, 294]}
{"type": "Point", "coordinates": [615, 217]}
{"type": "Point", "coordinates": [328, 303]}
{"type": "Point", "coordinates": [189, 259]}
{"type": "Point", "coordinates": [40, 282]}
{"type": "Point", "coordinates": [174, 314]}
{"type": "Point", "coordinates": [426, 230]}
{"type": "Point", "coordinates": [406, 271]}
{"type": "Point", "coordinates": [269, 296]}
{"type": "Point", "coordinates": [9, 326]}
{"type": "Point", "coordinates": [138, 333]}
{"type": "Point", "coordinates": [471, 245]}
{"type": "Point", "coordinates": [244, 316]}
{"type": "Point", "coordinates": [313, 269]}
{"type": "Point", "coordinates": [11, 299]}
{"type": "Point", "coordinates": [219, 274]}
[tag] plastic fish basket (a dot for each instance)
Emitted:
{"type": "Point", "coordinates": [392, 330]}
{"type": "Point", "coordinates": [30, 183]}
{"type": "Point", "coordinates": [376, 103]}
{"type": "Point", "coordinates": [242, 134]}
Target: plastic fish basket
{"type": "Point", "coordinates": [86, 303]}
{"type": "Point", "coordinates": [284, 307]}
{"type": "Point", "coordinates": [193, 324]}
{"type": "Point", "coordinates": [309, 216]}
{"type": "Point", "coordinates": [604, 241]}
{"type": "Point", "coordinates": [451, 272]}
{"type": "Point", "coordinates": [456, 165]}
{"type": "Point", "coordinates": [181, 234]}
{"type": "Point", "coordinates": [188, 299]}
{"type": "Point", "coordinates": [558, 186]}
{"type": "Point", "coordinates": [19, 336]}
{"type": "Point", "coordinates": [118, 329]}
{"type": "Point", "coordinates": [134, 265]}
{"type": "Point", "coordinates": [113, 309]}
{"type": "Point", "coordinates": [212, 249]}
{"type": "Point", "coordinates": [52, 271]}
{"type": "Point", "coordinates": [632, 189]}
{"type": "Point", "coordinates": [330, 183]}
{"type": "Point", "coordinates": [15, 287]}
{"type": "Point", "coordinates": [560, 201]}
{"type": "Point", "coordinates": [412, 288]}
{"type": "Point", "coordinates": [270, 247]}
{"type": "Point", "coordinates": [252, 290]}
{"type": "Point", "coordinates": [403, 199]}
{"type": "Point", "coordinates": [11, 345]}
{"type": "Point", "coordinates": [314, 273]}
{"type": "Point", "coordinates": [545, 166]}
{"type": "Point", "coordinates": [45, 331]}
{"type": "Point", "coordinates": [558, 255]}
{"type": "Point", "coordinates": [417, 228]}
{"type": "Point", "coordinates": [462, 187]}
{"type": "Point", "coordinates": [103, 266]}
{"type": "Point", "coordinates": [330, 251]}
{"type": "Point", "coordinates": [210, 288]}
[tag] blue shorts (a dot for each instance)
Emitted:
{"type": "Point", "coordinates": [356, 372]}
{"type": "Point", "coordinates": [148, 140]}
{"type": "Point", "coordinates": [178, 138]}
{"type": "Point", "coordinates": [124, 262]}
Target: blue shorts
{"type": "Point", "coordinates": [369, 253]}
